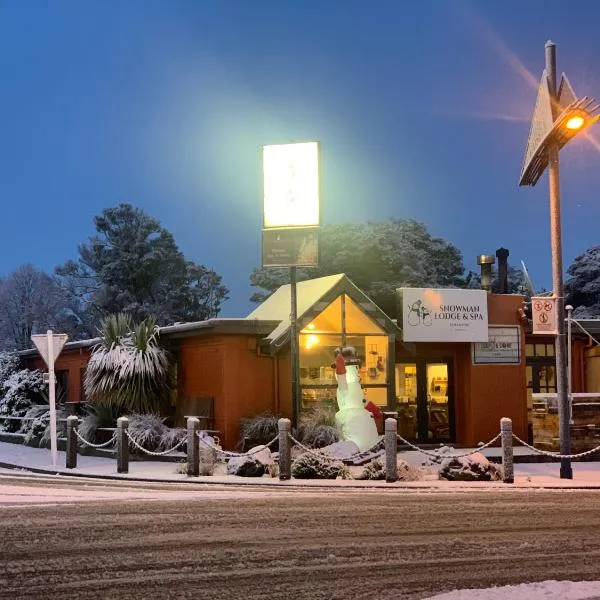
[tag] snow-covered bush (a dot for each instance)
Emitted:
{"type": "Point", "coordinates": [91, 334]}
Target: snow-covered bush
{"type": "Point", "coordinates": [316, 427]}
{"type": "Point", "coordinates": [475, 467]}
{"type": "Point", "coordinates": [318, 465]}
{"type": "Point", "coordinates": [97, 416]}
{"type": "Point", "coordinates": [146, 430]}
{"type": "Point", "coordinates": [9, 363]}
{"type": "Point", "coordinates": [22, 389]}
{"type": "Point", "coordinates": [37, 428]}
{"type": "Point", "coordinates": [171, 437]}
{"type": "Point", "coordinates": [260, 428]}
{"type": "Point", "coordinates": [375, 470]}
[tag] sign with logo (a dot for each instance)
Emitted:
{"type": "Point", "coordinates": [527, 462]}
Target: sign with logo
{"type": "Point", "coordinates": [543, 315]}
{"type": "Point", "coordinates": [502, 348]}
{"type": "Point", "coordinates": [444, 315]}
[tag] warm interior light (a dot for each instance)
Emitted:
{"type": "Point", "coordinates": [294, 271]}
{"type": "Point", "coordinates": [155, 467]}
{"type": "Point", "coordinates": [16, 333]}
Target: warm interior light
{"type": "Point", "coordinates": [311, 341]}
{"type": "Point", "coordinates": [311, 326]}
{"type": "Point", "coordinates": [575, 122]}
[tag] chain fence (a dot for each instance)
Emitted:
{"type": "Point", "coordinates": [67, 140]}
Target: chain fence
{"type": "Point", "coordinates": [556, 455]}
{"type": "Point", "coordinates": [150, 452]}
{"type": "Point", "coordinates": [374, 451]}
{"type": "Point", "coordinates": [439, 455]}
{"type": "Point", "coordinates": [91, 445]}
{"type": "Point", "coordinates": [229, 454]}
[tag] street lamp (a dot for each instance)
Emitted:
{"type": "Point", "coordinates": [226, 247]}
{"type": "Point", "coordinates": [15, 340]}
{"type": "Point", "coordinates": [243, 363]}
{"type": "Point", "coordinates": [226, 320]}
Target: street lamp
{"type": "Point", "coordinates": [557, 118]}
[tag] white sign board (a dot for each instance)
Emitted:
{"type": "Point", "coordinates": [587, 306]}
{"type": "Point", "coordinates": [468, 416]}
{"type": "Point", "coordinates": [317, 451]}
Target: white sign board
{"type": "Point", "coordinates": [444, 315]}
{"type": "Point", "coordinates": [291, 185]}
{"type": "Point", "coordinates": [42, 344]}
{"type": "Point", "coordinates": [543, 315]}
{"type": "Point", "coordinates": [502, 348]}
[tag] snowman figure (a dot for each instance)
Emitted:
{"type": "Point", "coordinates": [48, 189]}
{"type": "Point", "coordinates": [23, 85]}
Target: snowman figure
{"type": "Point", "coordinates": [353, 421]}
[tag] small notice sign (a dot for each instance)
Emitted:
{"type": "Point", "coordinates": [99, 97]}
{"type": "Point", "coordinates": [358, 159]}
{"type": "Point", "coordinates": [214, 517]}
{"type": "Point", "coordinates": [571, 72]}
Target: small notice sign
{"type": "Point", "coordinates": [297, 247]}
{"type": "Point", "coordinates": [543, 315]}
{"type": "Point", "coordinates": [502, 348]}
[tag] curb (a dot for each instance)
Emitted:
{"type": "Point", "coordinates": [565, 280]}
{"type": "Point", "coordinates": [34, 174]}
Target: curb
{"type": "Point", "coordinates": [464, 486]}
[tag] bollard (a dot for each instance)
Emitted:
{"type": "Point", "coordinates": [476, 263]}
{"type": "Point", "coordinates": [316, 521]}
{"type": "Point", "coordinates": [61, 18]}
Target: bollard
{"type": "Point", "coordinates": [122, 445]}
{"type": "Point", "coordinates": [285, 450]}
{"type": "Point", "coordinates": [391, 450]}
{"type": "Point", "coordinates": [72, 422]}
{"type": "Point", "coordinates": [193, 449]}
{"type": "Point", "coordinates": [507, 450]}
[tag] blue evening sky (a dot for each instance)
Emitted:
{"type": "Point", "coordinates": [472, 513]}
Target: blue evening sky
{"type": "Point", "coordinates": [422, 109]}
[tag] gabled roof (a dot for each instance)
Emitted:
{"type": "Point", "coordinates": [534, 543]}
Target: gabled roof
{"type": "Point", "coordinates": [313, 296]}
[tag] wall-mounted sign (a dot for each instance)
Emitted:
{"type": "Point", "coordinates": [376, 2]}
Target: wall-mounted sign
{"type": "Point", "coordinates": [290, 247]}
{"type": "Point", "coordinates": [444, 315]}
{"type": "Point", "coordinates": [502, 348]}
{"type": "Point", "coordinates": [291, 185]}
{"type": "Point", "coordinates": [543, 315]}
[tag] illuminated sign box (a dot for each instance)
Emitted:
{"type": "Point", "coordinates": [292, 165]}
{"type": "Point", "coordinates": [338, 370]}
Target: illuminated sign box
{"type": "Point", "coordinates": [291, 185]}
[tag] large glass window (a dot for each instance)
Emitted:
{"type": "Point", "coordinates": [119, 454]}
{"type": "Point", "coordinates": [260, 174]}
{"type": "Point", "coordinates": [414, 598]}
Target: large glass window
{"type": "Point", "coordinates": [342, 322]}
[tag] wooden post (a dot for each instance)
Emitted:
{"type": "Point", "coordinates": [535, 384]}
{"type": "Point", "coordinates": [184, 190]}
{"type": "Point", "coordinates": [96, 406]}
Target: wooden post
{"type": "Point", "coordinates": [122, 445]}
{"type": "Point", "coordinates": [72, 422]}
{"type": "Point", "coordinates": [193, 450]}
{"type": "Point", "coordinates": [391, 450]}
{"type": "Point", "coordinates": [507, 450]}
{"type": "Point", "coordinates": [285, 450]}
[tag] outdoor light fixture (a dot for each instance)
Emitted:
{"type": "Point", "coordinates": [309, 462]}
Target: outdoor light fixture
{"type": "Point", "coordinates": [558, 117]}
{"type": "Point", "coordinates": [576, 122]}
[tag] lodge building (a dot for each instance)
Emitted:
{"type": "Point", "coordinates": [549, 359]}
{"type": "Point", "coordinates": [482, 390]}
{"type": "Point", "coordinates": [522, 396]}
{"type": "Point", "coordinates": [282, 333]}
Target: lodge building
{"type": "Point", "coordinates": [442, 390]}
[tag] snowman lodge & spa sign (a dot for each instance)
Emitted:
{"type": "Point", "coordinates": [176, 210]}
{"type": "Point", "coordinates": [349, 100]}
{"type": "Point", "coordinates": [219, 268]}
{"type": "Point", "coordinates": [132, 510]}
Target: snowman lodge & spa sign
{"type": "Point", "coordinates": [443, 315]}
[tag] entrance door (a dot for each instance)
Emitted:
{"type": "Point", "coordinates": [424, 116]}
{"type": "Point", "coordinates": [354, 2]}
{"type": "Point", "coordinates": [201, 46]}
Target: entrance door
{"type": "Point", "coordinates": [425, 401]}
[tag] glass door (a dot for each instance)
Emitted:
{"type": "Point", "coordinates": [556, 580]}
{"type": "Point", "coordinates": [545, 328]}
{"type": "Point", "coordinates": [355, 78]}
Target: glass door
{"type": "Point", "coordinates": [406, 400]}
{"type": "Point", "coordinates": [424, 401]}
{"type": "Point", "coordinates": [438, 409]}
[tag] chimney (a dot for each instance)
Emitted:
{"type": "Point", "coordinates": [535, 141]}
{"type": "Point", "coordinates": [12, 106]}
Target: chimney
{"type": "Point", "coordinates": [486, 261]}
{"type": "Point", "coordinates": [502, 255]}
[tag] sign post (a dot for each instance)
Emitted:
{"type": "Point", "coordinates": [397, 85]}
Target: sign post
{"type": "Point", "coordinates": [291, 221]}
{"type": "Point", "coordinates": [49, 346]}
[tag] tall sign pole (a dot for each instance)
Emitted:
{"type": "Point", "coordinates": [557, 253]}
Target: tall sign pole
{"type": "Point", "coordinates": [291, 221]}
{"type": "Point", "coordinates": [559, 115]}
{"type": "Point", "coordinates": [49, 346]}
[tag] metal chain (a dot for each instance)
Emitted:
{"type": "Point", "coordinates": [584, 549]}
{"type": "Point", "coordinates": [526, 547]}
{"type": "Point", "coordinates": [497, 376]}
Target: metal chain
{"type": "Point", "coordinates": [556, 454]}
{"type": "Point", "coordinates": [444, 455]}
{"type": "Point", "coordinates": [229, 454]}
{"type": "Point", "coordinates": [112, 439]}
{"type": "Point", "coordinates": [316, 451]}
{"type": "Point", "coordinates": [180, 443]}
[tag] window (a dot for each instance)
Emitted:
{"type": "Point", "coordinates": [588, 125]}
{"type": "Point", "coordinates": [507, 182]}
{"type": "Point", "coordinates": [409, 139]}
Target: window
{"type": "Point", "coordinates": [342, 322]}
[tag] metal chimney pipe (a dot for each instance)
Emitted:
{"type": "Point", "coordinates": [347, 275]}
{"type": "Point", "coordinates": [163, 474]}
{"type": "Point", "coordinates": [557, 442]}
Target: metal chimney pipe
{"type": "Point", "coordinates": [502, 255]}
{"type": "Point", "coordinates": [485, 261]}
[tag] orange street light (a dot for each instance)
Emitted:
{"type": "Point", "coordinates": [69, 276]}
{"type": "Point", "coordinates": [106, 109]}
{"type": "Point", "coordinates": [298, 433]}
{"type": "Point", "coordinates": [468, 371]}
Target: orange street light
{"type": "Point", "coordinates": [576, 122]}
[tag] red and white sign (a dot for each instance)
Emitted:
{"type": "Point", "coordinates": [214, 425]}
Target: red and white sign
{"type": "Point", "coordinates": [543, 314]}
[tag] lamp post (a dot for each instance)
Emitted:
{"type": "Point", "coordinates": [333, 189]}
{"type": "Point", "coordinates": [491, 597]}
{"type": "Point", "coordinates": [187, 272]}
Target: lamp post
{"type": "Point", "coordinates": [558, 116]}
{"type": "Point", "coordinates": [290, 235]}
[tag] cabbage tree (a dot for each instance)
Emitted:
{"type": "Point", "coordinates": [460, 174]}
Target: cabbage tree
{"type": "Point", "coordinates": [128, 369]}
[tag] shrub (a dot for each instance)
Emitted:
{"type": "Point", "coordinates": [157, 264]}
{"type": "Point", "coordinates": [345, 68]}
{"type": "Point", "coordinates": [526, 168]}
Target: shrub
{"type": "Point", "coordinates": [146, 430]}
{"type": "Point", "coordinates": [262, 428]}
{"type": "Point", "coordinates": [316, 427]}
{"type": "Point", "coordinates": [171, 437]}
{"type": "Point", "coordinates": [318, 465]}
{"type": "Point", "coordinates": [9, 364]}
{"type": "Point", "coordinates": [475, 467]}
{"type": "Point", "coordinates": [22, 389]}
{"type": "Point", "coordinates": [97, 416]}
{"type": "Point", "coordinates": [376, 470]}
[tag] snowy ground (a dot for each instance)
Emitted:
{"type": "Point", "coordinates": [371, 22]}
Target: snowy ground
{"type": "Point", "coordinates": [169, 540]}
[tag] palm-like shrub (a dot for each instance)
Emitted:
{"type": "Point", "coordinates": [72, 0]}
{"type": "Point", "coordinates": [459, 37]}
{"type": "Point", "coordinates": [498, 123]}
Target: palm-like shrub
{"type": "Point", "coordinates": [128, 369]}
